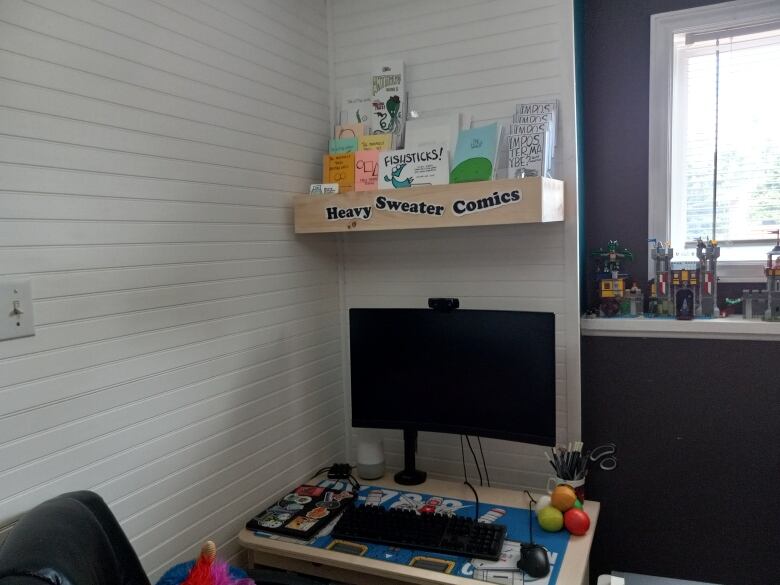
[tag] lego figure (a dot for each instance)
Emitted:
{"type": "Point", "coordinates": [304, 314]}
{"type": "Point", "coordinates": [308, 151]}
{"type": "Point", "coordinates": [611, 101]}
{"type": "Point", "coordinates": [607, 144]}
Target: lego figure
{"type": "Point", "coordinates": [634, 299]}
{"type": "Point", "coordinates": [684, 304]}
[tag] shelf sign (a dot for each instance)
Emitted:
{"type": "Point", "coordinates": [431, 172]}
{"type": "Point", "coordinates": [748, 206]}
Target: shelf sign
{"type": "Point", "coordinates": [335, 213]}
{"type": "Point", "coordinates": [421, 207]}
{"type": "Point", "coordinates": [460, 207]}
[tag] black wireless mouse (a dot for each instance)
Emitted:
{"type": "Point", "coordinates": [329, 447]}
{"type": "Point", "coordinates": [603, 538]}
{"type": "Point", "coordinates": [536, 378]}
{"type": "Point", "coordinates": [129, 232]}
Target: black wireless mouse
{"type": "Point", "coordinates": [533, 560]}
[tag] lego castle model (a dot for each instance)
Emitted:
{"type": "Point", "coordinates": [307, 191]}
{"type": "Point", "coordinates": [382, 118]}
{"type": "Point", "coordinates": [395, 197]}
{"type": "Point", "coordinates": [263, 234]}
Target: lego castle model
{"type": "Point", "coordinates": [685, 289]}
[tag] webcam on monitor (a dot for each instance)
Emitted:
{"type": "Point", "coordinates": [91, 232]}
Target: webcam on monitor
{"type": "Point", "coordinates": [445, 305]}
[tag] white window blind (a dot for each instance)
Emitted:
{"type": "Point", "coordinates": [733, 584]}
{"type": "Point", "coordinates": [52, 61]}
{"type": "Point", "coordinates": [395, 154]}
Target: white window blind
{"type": "Point", "coordinates": [725, 163]}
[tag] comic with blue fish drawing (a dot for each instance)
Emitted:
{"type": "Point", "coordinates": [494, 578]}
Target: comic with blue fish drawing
{"type": "Point", "coordinates": [399, 169]}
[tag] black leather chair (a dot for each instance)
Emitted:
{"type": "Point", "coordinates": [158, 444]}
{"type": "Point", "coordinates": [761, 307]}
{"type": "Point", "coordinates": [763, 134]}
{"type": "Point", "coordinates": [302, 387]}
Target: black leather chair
{"type": "Point", "coordinates": [72, 539]}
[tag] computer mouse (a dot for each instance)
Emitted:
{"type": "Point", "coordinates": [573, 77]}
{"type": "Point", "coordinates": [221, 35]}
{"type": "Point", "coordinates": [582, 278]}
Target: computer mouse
{"type": "Point", "coordinates": [534, 560]}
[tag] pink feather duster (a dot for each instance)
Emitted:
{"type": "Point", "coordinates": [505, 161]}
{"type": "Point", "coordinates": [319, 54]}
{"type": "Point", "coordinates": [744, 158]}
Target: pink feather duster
{"type": "Point", "coordinates": [209, 571]}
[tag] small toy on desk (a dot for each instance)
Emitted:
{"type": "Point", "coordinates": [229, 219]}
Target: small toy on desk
{"type": "Point", "coordinates": [564, 511]}
{"type": "Point", "coordinates": [576, 521]}
{"type": "Point", "coordinates": [550, 519]}
{"type": "Point", "coordinates": [542, 502]}
{"type": "Point", "coordinates": [563, 497]}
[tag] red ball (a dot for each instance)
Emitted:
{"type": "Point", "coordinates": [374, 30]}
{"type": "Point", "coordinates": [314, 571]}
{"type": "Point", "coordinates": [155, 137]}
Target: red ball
{"type": "Point", "coordinates": [576, 521]}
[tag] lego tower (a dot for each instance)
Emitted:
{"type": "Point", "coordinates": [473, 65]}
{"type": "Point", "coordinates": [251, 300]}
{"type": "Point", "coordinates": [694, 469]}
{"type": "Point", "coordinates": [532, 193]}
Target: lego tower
{"type": "Point", "coordinates": [708, 253]}
{"type": "Point", "coordinates": [662, 256]}
{"type": "Point", "coordinates": [772, 272]}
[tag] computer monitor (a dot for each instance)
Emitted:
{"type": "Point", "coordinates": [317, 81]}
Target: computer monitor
{"type": "Point", "coordinates": [473, 372]}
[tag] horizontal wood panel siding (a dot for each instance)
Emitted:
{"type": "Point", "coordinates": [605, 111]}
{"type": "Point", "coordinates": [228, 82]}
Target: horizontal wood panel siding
{"type": "Point", "coordinates": [480, 58]}
{"type": "Point", "coordinates": [187, 362]}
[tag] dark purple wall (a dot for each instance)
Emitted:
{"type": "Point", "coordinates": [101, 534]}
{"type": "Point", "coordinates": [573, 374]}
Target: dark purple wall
{"type": "Point", "coordinates": [694, 420]}
{"type": "Point", "coordinates": [615, 79]}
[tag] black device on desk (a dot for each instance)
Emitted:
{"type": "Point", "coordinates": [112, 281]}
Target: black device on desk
{"type": "Point", "coordinates": [533, 557]}
{"type": "Point", "coordinates": [449, 370]}
{"type": "Point", "coordinates": [441, 533]}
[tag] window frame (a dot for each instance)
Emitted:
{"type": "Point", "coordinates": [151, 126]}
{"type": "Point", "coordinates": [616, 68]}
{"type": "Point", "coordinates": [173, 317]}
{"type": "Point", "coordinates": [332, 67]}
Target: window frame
{"type": "Point", "coordinates": [663, 28]}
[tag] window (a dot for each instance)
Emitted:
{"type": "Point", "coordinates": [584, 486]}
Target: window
{"type": "Point", "coordinates": [715, 132]}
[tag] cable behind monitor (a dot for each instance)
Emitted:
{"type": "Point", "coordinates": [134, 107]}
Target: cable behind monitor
{"type": "Point", "coordinates": [466, 480]}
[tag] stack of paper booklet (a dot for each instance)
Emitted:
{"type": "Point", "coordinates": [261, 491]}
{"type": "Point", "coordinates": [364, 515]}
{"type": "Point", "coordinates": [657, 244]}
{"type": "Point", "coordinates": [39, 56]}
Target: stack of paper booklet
{"type": "Point", "coordinates": [376, 145]}
{"type": "Point", "coordinates": [353, 156]}
{"type": "Point", "coordinates": [379, 106]}
{"type": "Point", "coordinates": [531, 139]}
{"type": "Point", "coordinates": [475, 154]}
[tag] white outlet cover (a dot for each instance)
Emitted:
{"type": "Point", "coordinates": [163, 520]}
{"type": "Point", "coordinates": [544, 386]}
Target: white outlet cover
{"type": "Point", "coordinates": [11, 325]}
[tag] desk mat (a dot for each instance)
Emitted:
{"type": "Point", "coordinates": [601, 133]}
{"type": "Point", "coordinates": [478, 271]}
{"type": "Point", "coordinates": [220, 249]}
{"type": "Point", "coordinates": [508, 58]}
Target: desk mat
{"type": "Point", "coordinates": [502, 571]}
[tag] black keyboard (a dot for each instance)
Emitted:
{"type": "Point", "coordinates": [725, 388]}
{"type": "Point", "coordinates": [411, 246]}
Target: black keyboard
{"type": "Point", "coordinates": [450, 535]}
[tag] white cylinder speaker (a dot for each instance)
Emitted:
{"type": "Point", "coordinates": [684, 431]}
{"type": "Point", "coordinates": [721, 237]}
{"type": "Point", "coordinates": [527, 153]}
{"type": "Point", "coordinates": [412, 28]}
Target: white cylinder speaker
{"type": "Point", "coordinates": [370, 459]}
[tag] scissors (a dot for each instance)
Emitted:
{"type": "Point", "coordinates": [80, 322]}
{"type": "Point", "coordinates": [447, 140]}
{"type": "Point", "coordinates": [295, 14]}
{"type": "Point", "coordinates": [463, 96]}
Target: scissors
{"type": "Point", "coordinates": [605, 456]}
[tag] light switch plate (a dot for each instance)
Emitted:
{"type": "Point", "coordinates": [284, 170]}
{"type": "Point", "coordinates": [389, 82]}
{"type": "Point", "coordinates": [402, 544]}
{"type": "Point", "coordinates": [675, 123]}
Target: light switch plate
{"type": "Point", "coordinates": [16, 293]}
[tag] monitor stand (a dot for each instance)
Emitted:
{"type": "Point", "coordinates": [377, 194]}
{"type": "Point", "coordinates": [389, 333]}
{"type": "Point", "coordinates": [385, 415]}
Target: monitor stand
{"type": "Point", "coordinates": [410, 475]}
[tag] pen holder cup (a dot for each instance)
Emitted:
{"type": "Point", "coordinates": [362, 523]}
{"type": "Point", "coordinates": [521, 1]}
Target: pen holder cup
{"type": "Point", "coordinates": [577, 484]}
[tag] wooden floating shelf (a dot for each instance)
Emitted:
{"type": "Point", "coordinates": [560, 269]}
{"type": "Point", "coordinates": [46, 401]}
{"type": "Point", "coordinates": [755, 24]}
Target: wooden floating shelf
{"type": "Point", "coordinates": [528, 200]}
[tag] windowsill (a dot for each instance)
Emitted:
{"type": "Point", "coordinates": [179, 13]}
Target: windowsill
{"type": "Point", "coordinates": [734, 327]}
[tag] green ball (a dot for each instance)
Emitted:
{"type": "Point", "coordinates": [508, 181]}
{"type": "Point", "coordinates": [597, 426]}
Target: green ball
{"type": "Point", "coordinates": [550, 519]}
{"type": "Point", "coordinates": [578, 504]}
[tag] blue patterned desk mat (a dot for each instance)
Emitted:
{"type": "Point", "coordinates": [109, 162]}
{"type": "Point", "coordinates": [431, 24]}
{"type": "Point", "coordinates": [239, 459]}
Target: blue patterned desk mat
{"type": "Point", "coordinates": [516, 520]}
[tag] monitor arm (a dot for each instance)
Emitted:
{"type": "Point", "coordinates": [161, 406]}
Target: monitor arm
{"type": "Point", "coordinates": [410, 475]}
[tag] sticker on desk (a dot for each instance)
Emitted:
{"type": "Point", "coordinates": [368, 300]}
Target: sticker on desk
{"type": "Point", "coordinates": [274, 519]}
{"type": "Point", "coordinates": [309, 490]}
{"type": "Point", "coordinates": [317, 513]}
{"type": "Point", "coordinates": [301, 523]}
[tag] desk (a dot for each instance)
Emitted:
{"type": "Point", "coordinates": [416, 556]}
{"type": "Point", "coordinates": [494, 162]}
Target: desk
{"type": "Point", "coordinates": [364, 571]}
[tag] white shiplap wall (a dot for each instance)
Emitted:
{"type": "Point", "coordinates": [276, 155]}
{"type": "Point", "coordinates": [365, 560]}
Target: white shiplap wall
{"type": "Point", "coordinates": [481, 58]}
{"type": "Point", "coordinates": [187, 362]}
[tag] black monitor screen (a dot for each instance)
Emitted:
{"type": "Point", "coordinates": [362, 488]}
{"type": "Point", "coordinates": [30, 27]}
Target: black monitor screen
{"type": "Point", "coordinates": [485, 373]}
